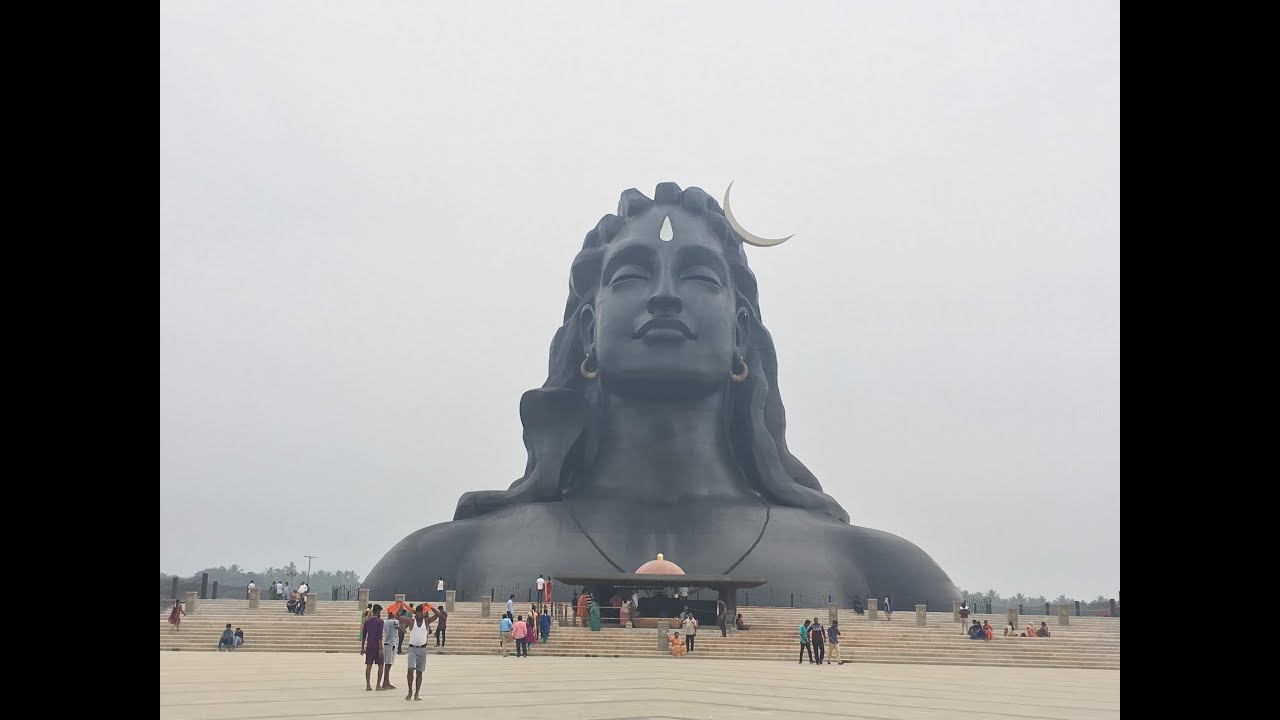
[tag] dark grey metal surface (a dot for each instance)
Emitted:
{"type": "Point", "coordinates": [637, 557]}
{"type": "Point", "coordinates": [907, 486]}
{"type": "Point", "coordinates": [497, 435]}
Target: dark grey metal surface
{"type": "Point", "coordinates": [662, 450]}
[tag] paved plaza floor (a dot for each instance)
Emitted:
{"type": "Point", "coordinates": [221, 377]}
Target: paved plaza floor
{"type": "Point", "coordinates": [223, 686]}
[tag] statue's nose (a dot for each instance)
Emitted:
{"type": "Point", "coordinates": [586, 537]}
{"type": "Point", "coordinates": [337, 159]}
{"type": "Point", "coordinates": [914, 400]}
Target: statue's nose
{"type": "Point", "coordinates": [665, 302]}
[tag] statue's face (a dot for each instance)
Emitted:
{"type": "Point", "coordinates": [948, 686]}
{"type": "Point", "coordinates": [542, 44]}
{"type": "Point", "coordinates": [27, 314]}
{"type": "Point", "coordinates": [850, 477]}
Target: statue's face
{"type": "Point", "coordinates": [665, 310]}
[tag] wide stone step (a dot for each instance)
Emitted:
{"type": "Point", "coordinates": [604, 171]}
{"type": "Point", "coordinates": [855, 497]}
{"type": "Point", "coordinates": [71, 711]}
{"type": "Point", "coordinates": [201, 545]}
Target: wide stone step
{"type": "Point", "coordinates": [334, 628]}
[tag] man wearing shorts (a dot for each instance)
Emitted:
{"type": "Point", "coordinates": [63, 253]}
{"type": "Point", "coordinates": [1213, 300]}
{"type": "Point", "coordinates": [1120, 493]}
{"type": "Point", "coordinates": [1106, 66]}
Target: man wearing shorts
{"type": "Point", "coordinates": [419, 632]}
{"type": "Point", "coordinates": [373, 645]}
{"type": "Point", "coordinates": [390, 635]}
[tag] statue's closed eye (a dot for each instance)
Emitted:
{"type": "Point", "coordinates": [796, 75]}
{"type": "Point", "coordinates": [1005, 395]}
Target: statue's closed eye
{"type": "Point", "coordinates": [701, 272]}
{"type": "Point", "coordinates": [628, 272]}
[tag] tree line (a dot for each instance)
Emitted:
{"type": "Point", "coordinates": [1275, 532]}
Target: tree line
{"type": "Point", "coordinates": [233, 579]}
{"type": "Point", "coordinates": [978, 599]}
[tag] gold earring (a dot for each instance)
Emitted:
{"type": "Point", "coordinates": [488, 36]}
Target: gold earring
{"type": "Point", "coordinates": [588, 374]}
{"type": "Point", "coordinates": [745, 371]}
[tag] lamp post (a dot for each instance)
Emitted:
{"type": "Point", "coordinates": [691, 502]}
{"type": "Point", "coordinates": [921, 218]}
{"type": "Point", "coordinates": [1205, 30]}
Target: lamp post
{"type": "Point", "coordinates": [309, 559]}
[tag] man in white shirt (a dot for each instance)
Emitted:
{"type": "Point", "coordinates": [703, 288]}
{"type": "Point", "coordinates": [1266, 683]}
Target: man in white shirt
{"type": "Point", "coordinates": [419, 631]}
{"type": "Point", "coordinates": [280, 590]}
{"type": "Point", "coordinates": [302, 597]}
{"type": "Point", "coordinates": [440, 588]}
{"type": "Point", "coordinates": [541, 583]}
{"type": "Point", "coordinates": [511, 605]}
{"type": "Point", "coordinates": [248, 592]}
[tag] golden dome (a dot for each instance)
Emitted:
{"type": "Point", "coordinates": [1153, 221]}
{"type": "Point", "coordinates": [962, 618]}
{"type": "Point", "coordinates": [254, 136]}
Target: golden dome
{"type": "Point", "coordinates": [659, 567]}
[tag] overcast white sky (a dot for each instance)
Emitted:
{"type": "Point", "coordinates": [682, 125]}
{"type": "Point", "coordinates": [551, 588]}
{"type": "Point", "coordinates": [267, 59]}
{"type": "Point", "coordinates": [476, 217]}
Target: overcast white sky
{"type": "Point", "coordinates": [368, 211]}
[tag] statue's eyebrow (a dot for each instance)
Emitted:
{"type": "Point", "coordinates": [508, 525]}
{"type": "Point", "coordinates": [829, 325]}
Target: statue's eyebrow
{"type": "Point", "coordinates": [629, 253]}
{"type": "Point", "coordinates": [700, 255]}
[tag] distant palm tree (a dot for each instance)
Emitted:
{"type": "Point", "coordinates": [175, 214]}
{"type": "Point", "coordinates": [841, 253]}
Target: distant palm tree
{"type": "Point", "coordinates": [1063, 600]}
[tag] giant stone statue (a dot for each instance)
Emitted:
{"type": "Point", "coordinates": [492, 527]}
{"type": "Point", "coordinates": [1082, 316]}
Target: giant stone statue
{"type": "Point", "coordinates": [660, 428]}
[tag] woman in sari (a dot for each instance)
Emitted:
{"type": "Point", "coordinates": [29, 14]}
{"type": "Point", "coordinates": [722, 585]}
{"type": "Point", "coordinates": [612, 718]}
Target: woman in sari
{"type": "Point", "coordinates": [546, 592]}
{"type": "Point", "coordinates": [582, 609]}
{"type": "Point", "coordinates": [1031, 631]}
{"type": "Point", "coordinates": [175, 616]}
{"type": "Point", "coordinates": [595, 615]}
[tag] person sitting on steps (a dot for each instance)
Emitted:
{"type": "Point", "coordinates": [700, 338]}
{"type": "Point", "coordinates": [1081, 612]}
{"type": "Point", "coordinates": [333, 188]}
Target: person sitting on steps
{"type": "Point", "coordinates": [227, 640]}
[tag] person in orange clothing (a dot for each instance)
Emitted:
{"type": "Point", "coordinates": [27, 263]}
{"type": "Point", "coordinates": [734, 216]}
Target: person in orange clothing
{"type": "Point", "coordinates": [402, 612]}
{"type": "Point", "coordinates": [986, 628]}
{"type": "Point", "coordinates": [677, 647]}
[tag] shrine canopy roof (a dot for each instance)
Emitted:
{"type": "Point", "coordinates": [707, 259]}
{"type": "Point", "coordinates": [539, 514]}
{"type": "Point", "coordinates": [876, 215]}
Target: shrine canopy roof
{"type": "Point", "coordinates": [647, 580]}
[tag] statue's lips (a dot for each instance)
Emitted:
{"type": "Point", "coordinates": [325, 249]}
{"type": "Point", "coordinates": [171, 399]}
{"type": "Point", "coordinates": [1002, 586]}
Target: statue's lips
{"type": "Point", "coordinates": [663, 328]}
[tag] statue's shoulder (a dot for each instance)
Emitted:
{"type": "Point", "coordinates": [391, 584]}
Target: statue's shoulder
{"type": "Point", "coordinates": [867, 559]}
{"type": "Point", "coordinates": [495, 547]}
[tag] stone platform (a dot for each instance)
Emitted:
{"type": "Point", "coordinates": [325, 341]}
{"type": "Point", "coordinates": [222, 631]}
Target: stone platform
{"type": "Point", "coordinates": [237, 686]}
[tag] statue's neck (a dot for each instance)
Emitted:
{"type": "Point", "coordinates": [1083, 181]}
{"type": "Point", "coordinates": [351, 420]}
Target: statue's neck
{"type": "Point", "coordinates": [670, 445]}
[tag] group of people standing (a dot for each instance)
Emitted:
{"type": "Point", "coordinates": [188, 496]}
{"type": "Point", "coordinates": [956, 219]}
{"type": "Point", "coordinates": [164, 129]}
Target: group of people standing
{"type": "Point", "coordinates": [814, 640]}
{"type": "Point", "coordinates": [523, 631]}
{"type": "Point", "coordinates": [383, 638]}
{"type": "Point", "coordinates": [586, 609]}
{"type": "Point", "coordinates": [295, 599]}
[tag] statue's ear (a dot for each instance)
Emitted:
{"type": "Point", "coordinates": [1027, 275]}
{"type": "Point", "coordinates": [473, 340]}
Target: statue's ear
{"type": "Point", "coordinates": [587, 328]}
{"type": "Point", "coordinates": [741, 330]}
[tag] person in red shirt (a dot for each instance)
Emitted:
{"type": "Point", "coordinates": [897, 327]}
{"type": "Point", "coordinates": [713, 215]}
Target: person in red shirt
{"type": "Point", "coordinates": [520, 631]}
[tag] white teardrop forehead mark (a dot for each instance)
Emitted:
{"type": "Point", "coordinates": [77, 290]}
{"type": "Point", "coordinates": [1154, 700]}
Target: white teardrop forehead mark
{"type": "Point", "coordinates": [666, 233]}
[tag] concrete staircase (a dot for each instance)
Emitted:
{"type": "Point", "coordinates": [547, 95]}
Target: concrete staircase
{"type": "Point", "coordinates": [1088, 642]}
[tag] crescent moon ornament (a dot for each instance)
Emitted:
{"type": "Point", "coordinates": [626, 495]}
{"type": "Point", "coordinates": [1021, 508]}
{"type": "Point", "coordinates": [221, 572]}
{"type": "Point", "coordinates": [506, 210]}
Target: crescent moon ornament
{"type": "Point", "coordinates": [746, 236]}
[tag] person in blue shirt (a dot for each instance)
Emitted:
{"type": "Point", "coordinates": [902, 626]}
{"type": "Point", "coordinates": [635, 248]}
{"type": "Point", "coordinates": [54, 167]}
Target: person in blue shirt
{"type": "Point", "coordinates": [504, 633]}
{"type": "Point", "coordinates": [833, 639]}
{"type": "Point", "coordinates": [804, 643]}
